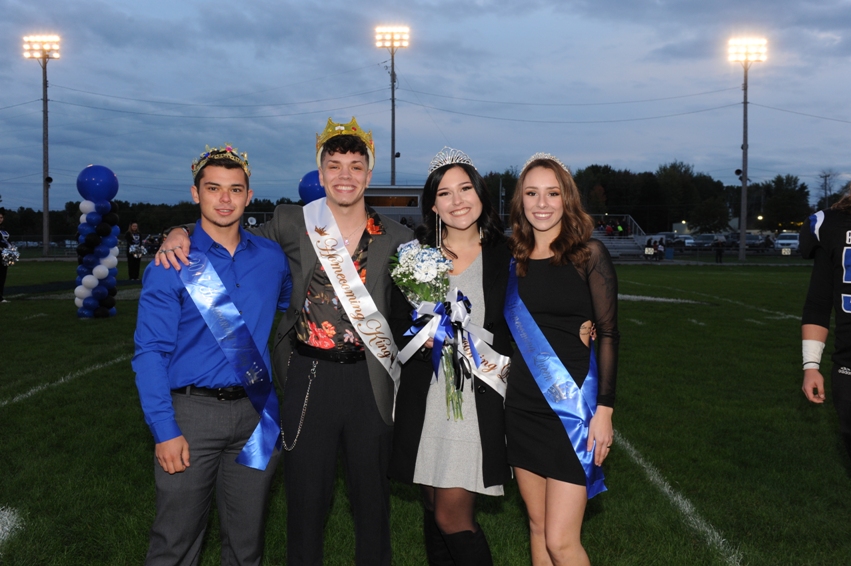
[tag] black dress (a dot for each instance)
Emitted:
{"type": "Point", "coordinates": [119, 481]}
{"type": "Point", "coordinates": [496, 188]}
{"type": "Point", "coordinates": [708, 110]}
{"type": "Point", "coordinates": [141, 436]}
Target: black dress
{"type": "Point", "coordinates": [560, 299]}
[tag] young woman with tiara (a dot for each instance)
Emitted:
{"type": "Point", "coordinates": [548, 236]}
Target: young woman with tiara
{"type": "Point", "coordinates": [562, 290]}
{"type": "Point", "coordinates": [456, 455]}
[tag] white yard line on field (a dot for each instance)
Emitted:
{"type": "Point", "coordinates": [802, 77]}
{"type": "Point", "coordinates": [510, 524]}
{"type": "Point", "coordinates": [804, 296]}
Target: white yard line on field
{"type": "Point", "coordinates": [697, 322]}
{"type": "Point", "coordinates": [622, 297]}
{"type": "Point", "coordinates": [775, 314]}
{"type": "Point", "coordinates": [34, 316]}
{"type": "Point", "coordinates": [761, 323]}
{"type": "Point", "coordinates": [731, 555]}
{"type": "Point", "coordinates": [10, 522]}
{"type": "Point", "coordinates": [62, 380]}
{"type": "Point", "coordinates": [636, 321]}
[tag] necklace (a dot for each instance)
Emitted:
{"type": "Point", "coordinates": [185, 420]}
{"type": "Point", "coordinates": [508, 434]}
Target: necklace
{"type": "Point", "coordinates": [360, 226]}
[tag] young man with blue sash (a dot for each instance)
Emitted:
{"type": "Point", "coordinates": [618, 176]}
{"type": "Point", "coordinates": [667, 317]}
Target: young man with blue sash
{"type": "Point", "coordinates": [203, 373]}
{"type": "Point", "coordinates": [334, 351]}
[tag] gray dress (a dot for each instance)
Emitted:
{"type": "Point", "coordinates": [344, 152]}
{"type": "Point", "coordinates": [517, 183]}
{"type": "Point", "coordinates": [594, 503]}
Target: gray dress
{"type": "Point", "coordinates": [450, 451]}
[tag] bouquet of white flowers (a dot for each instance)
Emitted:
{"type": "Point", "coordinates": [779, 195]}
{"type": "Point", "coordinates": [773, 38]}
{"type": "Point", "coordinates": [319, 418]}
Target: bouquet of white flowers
{"type": "Point", "coordinates": [421, 272]}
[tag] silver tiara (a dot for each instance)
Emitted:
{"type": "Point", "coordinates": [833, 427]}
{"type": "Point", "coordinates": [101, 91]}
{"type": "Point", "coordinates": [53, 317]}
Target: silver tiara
{"type": "Point", "coordinates": [550, 156]}
{"type": "Point", "coordinates": [449, 156]}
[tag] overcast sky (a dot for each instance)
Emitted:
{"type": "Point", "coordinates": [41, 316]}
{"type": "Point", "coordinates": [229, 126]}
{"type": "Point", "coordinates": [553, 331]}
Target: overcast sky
{"type": "Point", "coordinates": [141, 87]}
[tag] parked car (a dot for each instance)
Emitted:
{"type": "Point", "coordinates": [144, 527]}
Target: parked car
{"type": "Point", "coordinates": [788, 240]}
{"type": "Point", "coordinates": [752, 241]}
{"type": "Point", "coordinates": [683, 241]}
{"type": "Point", "coordinates": [704, 240]}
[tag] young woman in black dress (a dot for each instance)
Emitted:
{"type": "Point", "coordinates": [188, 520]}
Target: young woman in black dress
{"type": "Point", "coordinates": [567, 282]}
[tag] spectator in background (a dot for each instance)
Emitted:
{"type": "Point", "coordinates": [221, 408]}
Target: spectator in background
{"type": "Point", "coordinates": [4, 243]}
{"type": "Point", "coordinates": [660, 250]}
{"type": "Point", "coordinates": [718, 244]}
{"type": "Point", "coordinates": [134, 251]}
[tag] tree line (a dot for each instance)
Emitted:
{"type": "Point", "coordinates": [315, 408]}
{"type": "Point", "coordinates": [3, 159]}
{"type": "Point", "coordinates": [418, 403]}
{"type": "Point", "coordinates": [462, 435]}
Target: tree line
{"type": "Point", "coordinates": [656, 200]}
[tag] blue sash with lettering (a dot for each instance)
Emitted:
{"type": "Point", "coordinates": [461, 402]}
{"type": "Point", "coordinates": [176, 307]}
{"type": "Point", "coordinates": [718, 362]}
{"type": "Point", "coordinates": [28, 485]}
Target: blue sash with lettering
{"type": "Point", "coordinates": [207, 291]}
{"type": "Point", "coordinates": [573, 405]}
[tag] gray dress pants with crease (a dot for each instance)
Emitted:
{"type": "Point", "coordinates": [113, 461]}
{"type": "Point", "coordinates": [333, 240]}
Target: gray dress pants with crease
{"type": "Point", "coordinates": [216, 432]}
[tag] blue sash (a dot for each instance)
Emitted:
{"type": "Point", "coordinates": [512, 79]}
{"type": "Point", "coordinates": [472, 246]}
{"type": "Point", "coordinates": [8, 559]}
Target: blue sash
{"type": "Point", "coordinates": [573, 405]}
{"type": "Point", "coordinates": [207, 291]}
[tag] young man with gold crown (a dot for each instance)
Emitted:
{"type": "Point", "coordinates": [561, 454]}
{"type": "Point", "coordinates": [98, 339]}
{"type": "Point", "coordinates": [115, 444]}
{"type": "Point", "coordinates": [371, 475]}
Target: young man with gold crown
{"type": "Point", "coordinates": [203, 373]}
{"type": "Point", "coordinates": [334, 351]}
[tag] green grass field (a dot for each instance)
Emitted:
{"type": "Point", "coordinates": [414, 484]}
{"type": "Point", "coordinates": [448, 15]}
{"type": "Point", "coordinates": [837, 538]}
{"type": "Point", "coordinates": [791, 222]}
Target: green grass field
{"type": "Point", "coordinates": [718, 457]}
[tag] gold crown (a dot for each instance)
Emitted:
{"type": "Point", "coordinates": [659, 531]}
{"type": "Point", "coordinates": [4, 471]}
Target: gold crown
{"type": "Point", "coordinates": [225, 152]}
{"type": "Point", "coordinates": [334, 129]}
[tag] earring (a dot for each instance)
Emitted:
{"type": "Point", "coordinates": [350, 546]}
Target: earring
{"type": "Point", "coordinates": [480, 233]}
{"type": "Point", "coordinates": [439, 234]}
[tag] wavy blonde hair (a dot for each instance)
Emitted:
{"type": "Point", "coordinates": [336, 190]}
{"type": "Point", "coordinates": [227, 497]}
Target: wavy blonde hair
{"type": "Point", "coordinates": [570, 246]}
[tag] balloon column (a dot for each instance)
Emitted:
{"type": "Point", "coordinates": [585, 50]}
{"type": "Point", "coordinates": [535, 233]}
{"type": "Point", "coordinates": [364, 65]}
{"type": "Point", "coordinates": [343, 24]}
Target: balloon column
{"type": "Point", "coordinates": [309, 188]}
{"type": "Point", "coordinates": [98, 243]}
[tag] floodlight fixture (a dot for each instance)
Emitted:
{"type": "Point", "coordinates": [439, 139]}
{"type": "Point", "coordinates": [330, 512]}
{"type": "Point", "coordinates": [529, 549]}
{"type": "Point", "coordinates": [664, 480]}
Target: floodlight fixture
{"type": "Point", "coordinates": [747, 49]}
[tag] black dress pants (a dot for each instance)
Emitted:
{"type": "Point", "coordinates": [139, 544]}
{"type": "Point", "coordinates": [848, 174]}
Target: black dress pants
{"type": "Point", "coordinates": [342, 416]}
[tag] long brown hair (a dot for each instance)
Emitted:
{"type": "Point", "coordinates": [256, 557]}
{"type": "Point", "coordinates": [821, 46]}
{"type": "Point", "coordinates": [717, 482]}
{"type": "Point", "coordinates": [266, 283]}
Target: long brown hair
{"type": "Point", "coordinates": [576, 225]}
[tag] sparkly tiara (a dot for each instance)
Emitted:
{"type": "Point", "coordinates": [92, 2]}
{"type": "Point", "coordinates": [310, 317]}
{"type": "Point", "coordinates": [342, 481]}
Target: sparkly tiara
{"type": "Point", "coordinates": [225, 152]}
{"type": "Point", "coordinates": [449, 156]}
{"type": "Point", "coordinates": [549, 156]}
{"type": "Point", "coordinates": [333, 129]}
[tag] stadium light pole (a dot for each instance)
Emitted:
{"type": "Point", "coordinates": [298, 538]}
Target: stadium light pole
{"type": "Point", "coordinates": [393, 38]}
{"type": "Point", "coordinates": [745, 50]}
{"type": "Point", "coordinates": [43, 48]}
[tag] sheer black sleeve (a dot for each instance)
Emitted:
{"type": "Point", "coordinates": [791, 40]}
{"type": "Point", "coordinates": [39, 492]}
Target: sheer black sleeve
{"type": "Point", "coordinates": [603, 285]}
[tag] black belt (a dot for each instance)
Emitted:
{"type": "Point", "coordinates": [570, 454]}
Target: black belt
{"type": "Point", "coordinates": [330, 355]}
{"type": "Point", "coordinates": [222, 393]}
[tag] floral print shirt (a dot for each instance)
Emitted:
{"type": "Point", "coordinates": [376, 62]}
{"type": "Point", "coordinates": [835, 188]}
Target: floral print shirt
{"type": "Point", "coordinates": [323, 322]}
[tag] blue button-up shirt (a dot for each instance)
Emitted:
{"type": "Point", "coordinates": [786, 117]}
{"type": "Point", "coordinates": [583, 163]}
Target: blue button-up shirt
{"type": "Point", "coordinates": [174, 347]}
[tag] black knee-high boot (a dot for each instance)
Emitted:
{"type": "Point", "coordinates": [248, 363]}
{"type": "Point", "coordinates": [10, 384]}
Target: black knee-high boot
{"type": "Point", "coordinates": [436, 550]}
{"type": "Point", "coordinates": [469, 548]}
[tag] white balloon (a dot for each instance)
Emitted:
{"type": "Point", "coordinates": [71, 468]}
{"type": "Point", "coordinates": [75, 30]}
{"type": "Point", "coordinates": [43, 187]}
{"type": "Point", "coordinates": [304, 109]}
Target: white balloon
{"type": "Point", "coordinates": [87, 206]}
{"type": "Point", "coordinates": [100, 271]}
{"type": "Point", "coordinates": [113, 251]}
{"type": "Point", "coordinates": [79, 302]}
{"type": "Point", "coordinates": [90, 281]}
{"type": "Point", "coordinates": [109, 261]}
{"type": "Point", "coordinates": [83, 218]}
{"type": "Point", "coordinates": [81, 292]}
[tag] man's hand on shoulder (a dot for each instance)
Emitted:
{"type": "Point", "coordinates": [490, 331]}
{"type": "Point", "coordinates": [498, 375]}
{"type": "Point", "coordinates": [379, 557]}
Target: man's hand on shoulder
{"type": "Point", "coordinates": [174, 250]}
{"type": "Point", "coordinates": [173, 455]}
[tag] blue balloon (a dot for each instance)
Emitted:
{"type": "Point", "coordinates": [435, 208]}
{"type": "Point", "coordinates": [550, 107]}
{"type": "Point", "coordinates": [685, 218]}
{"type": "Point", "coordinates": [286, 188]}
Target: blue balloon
{"type": "Point", "coordinates": [85, 313]}
{"type": "Point", "coordinates": [85, 229]}
{"type": "Point", "coordinates": [101, 251]}
{"type": "Point", "coordinates": [103, 207]}
{"type": "Point", "coordinates": [99, 292]}
{"type": "Point", "coordinates": [113, 271]}
{"type": "Point", "coordinates": [109, 282]}
{"type": "Point", "coordinates": [116, 230]}
{"type": "Point", "coordinates": [82, 270]}
{"type": "Point", "coordinates": [90, 303]}
{"type": "Point", "coordinates": [109, 241]}
{"type": "Point", "coordinates": [79, 280]}
{"type": "Point", "coordinates": [93, 219]}
{"type": "Point", "coordinates": [113, 311]}
{"type": "Point", "coordinates": [91, 260]}
{"type": "Point", "coordinates": [97, 183]}
{"type": "Point", "coordinates": [309, 188]}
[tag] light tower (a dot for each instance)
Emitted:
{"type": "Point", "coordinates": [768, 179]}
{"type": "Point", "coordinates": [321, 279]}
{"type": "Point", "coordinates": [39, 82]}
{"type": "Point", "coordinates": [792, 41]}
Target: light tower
{"type": "Point", "coordinates": [43, 48]}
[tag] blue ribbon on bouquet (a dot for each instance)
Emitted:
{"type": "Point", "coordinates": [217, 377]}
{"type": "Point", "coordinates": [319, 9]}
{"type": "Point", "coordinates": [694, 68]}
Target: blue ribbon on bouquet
{"type": "Point", "coordinates": [443, 331]}
{"type": "Point", "coordinates": [207, 291]}
{"type": "Point", "coordinates": [573, 405]}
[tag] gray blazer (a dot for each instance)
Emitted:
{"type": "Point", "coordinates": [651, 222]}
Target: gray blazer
{"type": "Point", "coordinates": [288, 229]}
